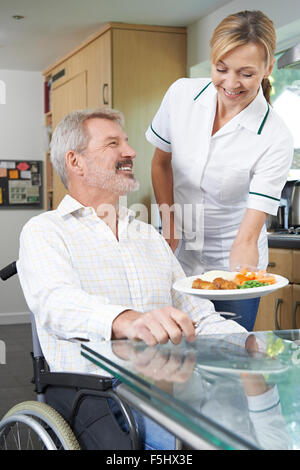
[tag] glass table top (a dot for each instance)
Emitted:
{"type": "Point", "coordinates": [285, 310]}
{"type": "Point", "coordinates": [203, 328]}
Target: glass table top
{"type": "Point", "coordinates": [235, 391]}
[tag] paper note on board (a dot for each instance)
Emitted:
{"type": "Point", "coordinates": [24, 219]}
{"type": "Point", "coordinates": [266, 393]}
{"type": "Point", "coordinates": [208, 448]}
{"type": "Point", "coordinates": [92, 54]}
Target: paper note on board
{"type": "Point", "coordinates": [13, 174]}
{"type": "Point", "coordinates": [26, 175]}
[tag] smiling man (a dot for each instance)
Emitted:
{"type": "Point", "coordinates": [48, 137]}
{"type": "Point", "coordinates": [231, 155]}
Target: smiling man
{"type": "Point", "coordinates": [89, 276]}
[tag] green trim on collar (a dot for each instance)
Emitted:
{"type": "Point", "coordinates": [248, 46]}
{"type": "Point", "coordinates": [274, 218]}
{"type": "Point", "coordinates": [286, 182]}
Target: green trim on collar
{"type": "Point", "coordinates": [264, 121]}
{"type": "Point", "coordinates": [196, 97]}
{"type": "Point", "coordinates": [265, 195]}
{"type": "Point", "coordinates": [167, 142]}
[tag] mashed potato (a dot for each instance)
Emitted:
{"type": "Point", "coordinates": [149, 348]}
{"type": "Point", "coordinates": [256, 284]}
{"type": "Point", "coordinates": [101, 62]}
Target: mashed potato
{"type": "Point", "coordinates": [211, 275]}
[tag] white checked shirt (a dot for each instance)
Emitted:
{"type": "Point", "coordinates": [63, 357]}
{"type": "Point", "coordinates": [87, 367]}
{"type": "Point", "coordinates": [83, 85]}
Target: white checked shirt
{"type": "Point", "coordinates": [77, 278]}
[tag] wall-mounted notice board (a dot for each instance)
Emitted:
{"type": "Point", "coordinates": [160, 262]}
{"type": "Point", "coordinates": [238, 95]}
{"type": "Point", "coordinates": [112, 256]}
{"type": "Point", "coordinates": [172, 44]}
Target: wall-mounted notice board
{"type": "Point", "coordinates": [20, 184]}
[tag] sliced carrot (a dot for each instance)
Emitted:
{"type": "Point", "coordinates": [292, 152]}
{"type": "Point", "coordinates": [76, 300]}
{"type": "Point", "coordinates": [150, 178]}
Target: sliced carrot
{"type": "Point", "coordinates": [261, 276]}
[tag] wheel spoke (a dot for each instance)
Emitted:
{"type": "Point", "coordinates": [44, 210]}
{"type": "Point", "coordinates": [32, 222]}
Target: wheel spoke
{"type": "Point", "coordinates": [32, 425]}
{"type": "Point", "coordinates": [29, 440]}
{"type": "Point", "coordinates": [14, 436]}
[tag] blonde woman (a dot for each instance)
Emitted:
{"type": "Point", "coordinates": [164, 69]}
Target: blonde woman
{"type": "Point", "coordinates": [222, 156]}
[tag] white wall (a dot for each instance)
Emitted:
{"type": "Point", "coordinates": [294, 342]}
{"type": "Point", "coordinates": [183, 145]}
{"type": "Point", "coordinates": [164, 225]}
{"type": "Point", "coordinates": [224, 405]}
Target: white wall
{"type": "Point", "coordinates": [21, 137]}
{"type": "Point", "coordinates": [285, 15]}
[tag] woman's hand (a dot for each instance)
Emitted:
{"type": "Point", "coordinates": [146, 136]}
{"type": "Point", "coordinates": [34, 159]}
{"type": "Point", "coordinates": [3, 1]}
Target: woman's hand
{"type": "Point", "coordinates": [244, 256]}
{"type": "Point", "coordinates": [244, 252]}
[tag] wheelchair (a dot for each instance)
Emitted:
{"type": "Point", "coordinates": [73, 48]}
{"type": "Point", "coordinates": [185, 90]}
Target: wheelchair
{"type": "Point", "coordinates": [35, 425]}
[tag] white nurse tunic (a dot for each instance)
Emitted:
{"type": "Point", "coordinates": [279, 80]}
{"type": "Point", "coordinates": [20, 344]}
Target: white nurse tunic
{"type": "Point", "coordinates": [243, 165]}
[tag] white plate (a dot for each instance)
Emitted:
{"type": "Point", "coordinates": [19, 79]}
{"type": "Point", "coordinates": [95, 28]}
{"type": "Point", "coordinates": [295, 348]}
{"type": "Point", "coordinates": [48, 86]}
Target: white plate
{"type": "Point", "coordinates": [185, 285]}
{"type": "Point", "coordinates": [259, 368]}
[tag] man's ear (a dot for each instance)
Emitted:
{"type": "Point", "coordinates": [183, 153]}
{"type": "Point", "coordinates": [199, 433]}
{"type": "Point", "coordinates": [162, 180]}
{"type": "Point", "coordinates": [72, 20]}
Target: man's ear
{"type": "Point", "coordinates": [74, 163]}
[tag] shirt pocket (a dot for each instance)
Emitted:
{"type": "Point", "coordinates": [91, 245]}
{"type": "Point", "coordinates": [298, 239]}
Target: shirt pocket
{"type": "Point", "coordinates": [234, 184]}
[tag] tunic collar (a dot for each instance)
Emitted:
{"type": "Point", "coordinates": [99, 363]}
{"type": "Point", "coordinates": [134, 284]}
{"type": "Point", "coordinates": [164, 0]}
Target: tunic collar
{"type": "Point", "coordinates": [253, 117]}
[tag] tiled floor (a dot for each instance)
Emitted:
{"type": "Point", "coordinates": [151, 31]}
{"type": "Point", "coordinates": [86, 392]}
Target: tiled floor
{"type": "Point", "coordinates": [16, 373]}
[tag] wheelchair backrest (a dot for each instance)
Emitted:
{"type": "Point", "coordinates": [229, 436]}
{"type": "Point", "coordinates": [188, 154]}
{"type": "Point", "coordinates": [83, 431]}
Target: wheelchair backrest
{"type": "Point", "coordinates": [5, 273]}
{"type": "Point", "coordinates": [37, 350]}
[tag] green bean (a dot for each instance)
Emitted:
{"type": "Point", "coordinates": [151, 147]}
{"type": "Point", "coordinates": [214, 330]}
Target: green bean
{"type": "Point", "coordinates": [253, 283]}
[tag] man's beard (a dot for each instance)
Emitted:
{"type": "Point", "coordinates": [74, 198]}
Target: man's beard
{"type": "Point", "coordinates": [110, 180]}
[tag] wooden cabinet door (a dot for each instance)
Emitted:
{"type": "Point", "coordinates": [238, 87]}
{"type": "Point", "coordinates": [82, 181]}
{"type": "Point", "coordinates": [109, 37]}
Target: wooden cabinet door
{"type": "Point", "coordinates": [95, 59]}
{"type": "Point", "coordinates": [281, 262]}
{"type": "Point", "coordinates": [145, 63]}
{"type": "Point", "coordinates": [296, 266]}
{"type": "Point", "coordinates": [296, 307]}
{"type": "Point", "coordinates": [275, 310]}
{"type": "Point", "coordinates": [98, 65]}
{"type": "Point", "coordinates": [68, 97]}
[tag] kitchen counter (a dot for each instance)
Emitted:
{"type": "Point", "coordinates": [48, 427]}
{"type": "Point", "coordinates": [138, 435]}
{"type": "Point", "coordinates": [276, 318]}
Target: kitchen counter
{"type": "Point", "coordinates": [284, 240]}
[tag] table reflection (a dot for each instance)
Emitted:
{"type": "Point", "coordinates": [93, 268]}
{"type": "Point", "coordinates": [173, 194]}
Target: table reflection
{"type": "Point", "coordinates": [247, 385]}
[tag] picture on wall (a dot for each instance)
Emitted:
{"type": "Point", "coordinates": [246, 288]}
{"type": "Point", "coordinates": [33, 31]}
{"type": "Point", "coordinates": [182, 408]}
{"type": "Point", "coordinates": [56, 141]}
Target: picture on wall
{"type": "Point", "coordinates": [20, 184]}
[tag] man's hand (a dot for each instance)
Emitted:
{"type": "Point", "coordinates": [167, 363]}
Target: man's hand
{"type": "Point", "coordinates": [156, 326]}
{"type": "Point", "coordinates": [169, 366]}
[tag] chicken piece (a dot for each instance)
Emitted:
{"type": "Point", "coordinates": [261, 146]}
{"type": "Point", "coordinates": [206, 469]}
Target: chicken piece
{"type": "Point", "coordinates": [223, 284]}
{"type": "Point", "coordinates": [199, 284]}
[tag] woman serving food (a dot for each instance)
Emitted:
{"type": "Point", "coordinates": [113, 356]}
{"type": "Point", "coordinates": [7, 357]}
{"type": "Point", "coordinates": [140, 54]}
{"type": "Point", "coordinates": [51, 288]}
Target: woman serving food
{"type": "Point", "coordinates": [222, 156]}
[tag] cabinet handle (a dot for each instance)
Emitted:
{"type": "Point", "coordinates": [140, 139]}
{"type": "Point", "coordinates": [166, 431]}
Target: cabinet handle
{"type": "Point", "coordinates": [277, 303]}
{"type": "Point", "coordinates": [271, 264]}
{"type": "Point", "coordinates": [105, 87]}
{"type": "Point", "coordinates": [296, 305]}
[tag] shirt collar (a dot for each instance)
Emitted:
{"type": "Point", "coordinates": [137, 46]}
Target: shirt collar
{"type": "Point", "coordinates": [69, 205]}
{"type": "Point", "coordinates": [252, 117]}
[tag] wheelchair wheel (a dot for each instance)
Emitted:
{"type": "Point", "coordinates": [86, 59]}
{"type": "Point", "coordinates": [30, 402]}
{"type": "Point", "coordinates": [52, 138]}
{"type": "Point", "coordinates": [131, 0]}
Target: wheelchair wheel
{"type": "Point", "coordinates": [35, 426]}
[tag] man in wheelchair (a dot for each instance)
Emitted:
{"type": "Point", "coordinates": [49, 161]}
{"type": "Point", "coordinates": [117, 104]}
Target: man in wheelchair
{"type": "Point", "coordinates": [91, 271]}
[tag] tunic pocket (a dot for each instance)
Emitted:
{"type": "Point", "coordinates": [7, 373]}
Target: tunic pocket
{"type": "Point", "coordinates": [235, 185]}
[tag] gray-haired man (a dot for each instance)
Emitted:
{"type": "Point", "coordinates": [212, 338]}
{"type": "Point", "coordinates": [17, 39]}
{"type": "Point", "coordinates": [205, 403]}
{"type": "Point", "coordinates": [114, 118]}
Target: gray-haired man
{"type": "Point", "coordinates": [90, 270]}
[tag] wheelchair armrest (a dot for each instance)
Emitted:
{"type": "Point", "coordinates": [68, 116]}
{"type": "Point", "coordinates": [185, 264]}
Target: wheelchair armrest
{"type": "Point", "coordinates": [67, 379]}
{"type": "Point", "coordinates": [43, 378]}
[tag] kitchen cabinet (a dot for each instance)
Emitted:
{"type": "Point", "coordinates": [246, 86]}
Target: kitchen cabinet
{"type": "Point", "coordinates": [70, 95]}
{"type": "Point", "coordinates": [281, 310]}
{"type": "Point", "coordinates": [126, 67]}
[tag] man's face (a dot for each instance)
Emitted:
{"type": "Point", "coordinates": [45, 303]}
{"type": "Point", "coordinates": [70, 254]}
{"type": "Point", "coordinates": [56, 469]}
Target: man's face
{"type": "Point", "coordinates": [108, 158]}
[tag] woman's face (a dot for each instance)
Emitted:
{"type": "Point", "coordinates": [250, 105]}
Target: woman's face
{"type": "Point", "coordinates": [238, 75]}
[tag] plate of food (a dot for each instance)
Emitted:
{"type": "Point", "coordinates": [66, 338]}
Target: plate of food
{"type": "Point", "coordinates": [236, 285]}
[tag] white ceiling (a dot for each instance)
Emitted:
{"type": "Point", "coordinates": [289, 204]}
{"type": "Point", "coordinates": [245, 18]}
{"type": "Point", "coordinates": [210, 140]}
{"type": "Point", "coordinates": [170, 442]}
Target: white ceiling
{"type": "Point", "coordinates": [51, 28]}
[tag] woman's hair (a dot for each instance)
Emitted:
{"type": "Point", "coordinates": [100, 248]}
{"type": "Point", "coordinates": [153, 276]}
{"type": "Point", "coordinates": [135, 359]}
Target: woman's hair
{"type": "Point", "coordinates": [241, 28]}
{"type": "Point", "coordinates": [71, 134]}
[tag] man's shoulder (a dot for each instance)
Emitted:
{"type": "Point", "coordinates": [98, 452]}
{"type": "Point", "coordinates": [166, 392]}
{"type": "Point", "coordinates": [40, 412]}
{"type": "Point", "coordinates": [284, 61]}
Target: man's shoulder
{"type": "Point", "coordinates": [41, 222]}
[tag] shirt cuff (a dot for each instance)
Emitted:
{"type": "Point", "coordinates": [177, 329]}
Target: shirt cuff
{"type": "Point", "coordinates": [100, 324]}
{"type": "Point", "coordinates": [263, 202]}
{"type": "Point", "coordinates": [158, 141]}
